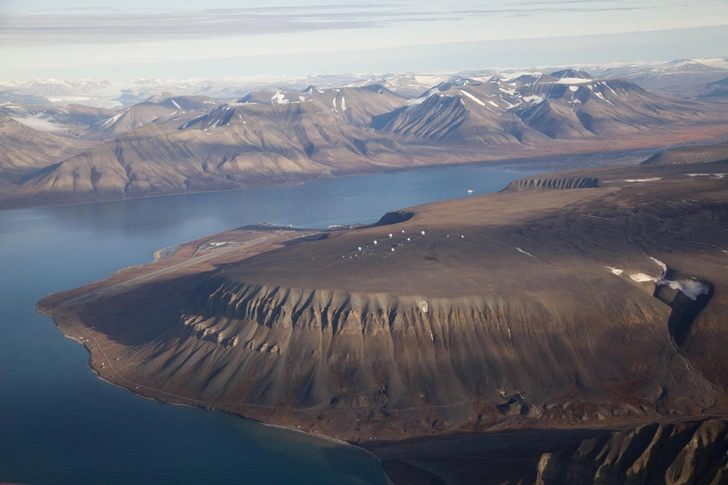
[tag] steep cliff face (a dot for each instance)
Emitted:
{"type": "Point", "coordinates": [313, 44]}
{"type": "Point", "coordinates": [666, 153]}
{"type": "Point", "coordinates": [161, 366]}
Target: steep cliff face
{"type": "Point", "coordinates": [546, 183]}
{"type": "Point", "coordinates": [437, 361]}
{"type": "Point", "coordinates": [538, 308]}
{"type": "Point", "coordinates": [673, 454]}
{"type": "Point", "coordinates": [320, 348]}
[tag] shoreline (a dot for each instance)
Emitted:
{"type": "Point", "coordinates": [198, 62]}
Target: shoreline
{"type": "Point", "coordinates": [205, 406]}
{"type": "Point", "coordinates": [502, 163]}
{"type": "Point", "coordinates": [97, 374]}
{"type": "Point", "coordinates": [330, 439]}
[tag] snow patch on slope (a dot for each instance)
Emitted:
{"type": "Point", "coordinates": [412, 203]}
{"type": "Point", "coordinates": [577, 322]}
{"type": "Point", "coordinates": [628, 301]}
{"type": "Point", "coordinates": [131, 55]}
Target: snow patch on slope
{"type": "Point", "coordinates": [473, 98]}
{"type": "Point", "coordinates": [573, 80]}
{"type": "Point", "coordinates": [36, 122]}
{"type": "Point", "coordinates": [651, 179]}
{"type": "Point", "coordinates": [279, 98]}
{"type": "Point", "coordinates": [525, 252]}
{"type": "Point", "coordinates": [691, 288]}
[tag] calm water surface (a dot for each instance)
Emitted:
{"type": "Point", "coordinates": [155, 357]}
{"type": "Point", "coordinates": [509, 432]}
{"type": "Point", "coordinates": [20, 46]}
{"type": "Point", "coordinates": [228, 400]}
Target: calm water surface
{"type": "Point", "coordinates": [59, 424]}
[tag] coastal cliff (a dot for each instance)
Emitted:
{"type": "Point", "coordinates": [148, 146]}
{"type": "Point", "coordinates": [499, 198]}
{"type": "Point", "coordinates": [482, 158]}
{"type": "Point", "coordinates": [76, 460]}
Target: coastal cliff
{"type": "Point", "coordinates": [598, 307]}
{"type": "Point", "coordinates": [545, 183]}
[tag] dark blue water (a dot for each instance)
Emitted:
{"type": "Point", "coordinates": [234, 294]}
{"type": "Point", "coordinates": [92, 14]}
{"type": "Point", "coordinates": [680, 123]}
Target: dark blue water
{"type": "Point", "coordinates": [59, 424]}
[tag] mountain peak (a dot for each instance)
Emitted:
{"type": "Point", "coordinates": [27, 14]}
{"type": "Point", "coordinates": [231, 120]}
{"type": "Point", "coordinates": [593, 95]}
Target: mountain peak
{"type": "Point", "coordinates": [159, 97]}
{"type": "Point", "coordinates": [571, 73]}
{"type": "Point", "coordinates": [311, 89]}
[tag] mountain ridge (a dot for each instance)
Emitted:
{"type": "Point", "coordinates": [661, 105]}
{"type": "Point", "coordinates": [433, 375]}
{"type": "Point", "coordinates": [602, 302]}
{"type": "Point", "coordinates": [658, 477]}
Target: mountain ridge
{"type": "Point", "coordinates": [180, 144]}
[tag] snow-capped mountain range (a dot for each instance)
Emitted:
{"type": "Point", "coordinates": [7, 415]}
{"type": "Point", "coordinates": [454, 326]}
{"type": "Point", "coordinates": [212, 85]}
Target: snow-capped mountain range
{"type": "Point", "coordinates": [172, 143]}
{"type": "Point", "coordinates": [674, 77]}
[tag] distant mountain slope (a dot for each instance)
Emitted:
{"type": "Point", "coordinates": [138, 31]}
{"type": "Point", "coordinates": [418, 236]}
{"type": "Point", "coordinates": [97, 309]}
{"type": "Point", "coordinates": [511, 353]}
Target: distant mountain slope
{"type": "Point", "coordinates": [102, 124]}
{"type": "Point", "coordinates": [456, 118]}
{"type": "Point", "coordinates": [573, 107]}
{"type": "Point", "coordinates": [26, 152]}
{"type": "Point", "coordinates": [529, 108]}
{"type": "Point", "coordinates": [715, 90]}
{"type": "Point", "coordinates": [10, 95]}
{"type": "Point", "coordinates": [686, 155]}
{"type": "Point", "coordinates": [173, 110]}
{"type": "Point", "coordinates": [233, 146]}
{"type": "Point", "coordinates": [357, 105]}
{"type": "Point", "coordinates": [74, 119]}
{"type": "Point", "coordinates": [685, 78]}
{"type": "Point", "coordinates": [176, 144]}
{"type": "Point", "coordinates": [571, 74]}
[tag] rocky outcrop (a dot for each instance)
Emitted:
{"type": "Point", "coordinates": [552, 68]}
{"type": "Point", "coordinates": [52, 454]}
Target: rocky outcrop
{"type": "Point", "coordinates": [671, 454]}
{"type": "Point", "coordinates": [394, 218]}
{"type": "Point", "coordinates": [552, 184]}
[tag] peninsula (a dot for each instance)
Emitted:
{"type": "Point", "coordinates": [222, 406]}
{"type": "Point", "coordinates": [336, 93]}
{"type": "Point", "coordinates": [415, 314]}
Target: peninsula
{"type": "Point", "coordinates": [568, 306]}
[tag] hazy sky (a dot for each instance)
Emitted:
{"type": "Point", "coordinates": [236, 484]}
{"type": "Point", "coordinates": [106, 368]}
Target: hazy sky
{"type": "Point", "coordinates": [212, 38]}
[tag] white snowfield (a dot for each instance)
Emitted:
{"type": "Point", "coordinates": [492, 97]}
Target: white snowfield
{"type": "Point", "coordinates": [512, 76]}
{"type": "Point", "coordinates": [651, 179]}
{"type": "Point", "coordinates": [716, 175]}
{"type": "Point", "coordinates": [430, 92]}
{"type": "Point", "coordinates": [112, 120]}
{"type": "Point", "coordinates": [535, 99]}
{"type": "Point", "coordinates": [691, 288]}
{"type": "Point", "coordinates": [661, 265]}
{"type": "Point", "coordinates": [573, 80]}
{"type": "Point", "coordinates": [279, 98]}
{"type": "Point", "coordinates": [716, 62]}
{"type": "Point", "coordinates": [642, 277]}
{"type": "Point", "coordinates": [38, 123]}
{"type": "Point", "coordinates": [601, 96]}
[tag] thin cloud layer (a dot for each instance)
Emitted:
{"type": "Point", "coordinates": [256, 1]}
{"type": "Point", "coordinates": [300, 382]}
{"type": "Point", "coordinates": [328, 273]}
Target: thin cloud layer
{"type": "Point", "coordinates": [81, 25]}
{"type": "Point", "coordinates": [133, 38]}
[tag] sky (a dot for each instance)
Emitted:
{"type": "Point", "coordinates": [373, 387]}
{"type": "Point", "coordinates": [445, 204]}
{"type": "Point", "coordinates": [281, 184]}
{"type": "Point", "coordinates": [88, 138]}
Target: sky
{"type": "Point", "coordinates": [128, 39]}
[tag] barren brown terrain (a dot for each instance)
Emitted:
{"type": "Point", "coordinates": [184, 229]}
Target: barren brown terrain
{"type": "Point", "coordinates": [181, 144]}
{"type": "Point", "coordinates": [572, 303]}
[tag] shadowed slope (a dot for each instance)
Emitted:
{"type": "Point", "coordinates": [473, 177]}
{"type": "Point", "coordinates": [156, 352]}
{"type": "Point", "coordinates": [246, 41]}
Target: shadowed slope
{"type": "Point", "coordinates": [694, 452]}
{"type": "Point", "coordinates": [26, 151]}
